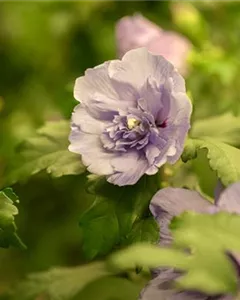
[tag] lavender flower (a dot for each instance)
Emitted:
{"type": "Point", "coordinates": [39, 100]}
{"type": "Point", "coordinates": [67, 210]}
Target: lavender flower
{"type": "Point", "coordinates": [170, 202]}
{"type": "Point", "coordinates": [133, 117]}
{"type": "Point", "coordinates": [137, 31]}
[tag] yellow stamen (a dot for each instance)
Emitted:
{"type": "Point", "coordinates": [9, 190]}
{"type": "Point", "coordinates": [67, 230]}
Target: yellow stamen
{"type": "Point", "coordinates": [132, 123]}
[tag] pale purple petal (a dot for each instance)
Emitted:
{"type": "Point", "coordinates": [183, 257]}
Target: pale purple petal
{"type": "Point", "coordinates": [170, 202]}
{"type": "Point", "coordinates": [96, 91]}
{"type": "Point", "coordinates": [137, 66]}
{"type": "Point", "coordinates": [93, 155]}
{"type": "Point", "coordinates": [95, 80]}
{"type": "Point", "coordinates": [85, 122]}
{"type": "Point", "coordinates": [174, 47]}
{"type": "Point", "coordinates": [134, 32]}
{"type": "Point", "coordinates": [161, 288]}
{"type": "Point", "coordinates": [137, 31]}
{"type": "Point", "coordinates": [128, 168]}
{"type": "Point", "coordinates": [149, 93]}
{"type": "Point", "coordinates": [229, 199]}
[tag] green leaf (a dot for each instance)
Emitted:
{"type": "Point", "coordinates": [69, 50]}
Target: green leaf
{"type": "Point", "coordinates": [111, 288]}
{"type": "Point", "coordinates": [223, 159]}
{"type": "Point", "coordinates": [116, 215]}
{"type": "Point", "coordinates": [192, 175]}
{"type": "Point", "coordinates": [8, 235]}
{"type": "Point", "coordinates": [224, 128]}
{"type": "Point", "coordinates": [146, 256]}
{"type": "Point", "coordinates": [59, 283]}
{"type": "Point", "coordinates": [207, 267]}
{"type": "Point", "coordinates": [47, 150]}
{"type": "Point", "coordinates": [144, 230]}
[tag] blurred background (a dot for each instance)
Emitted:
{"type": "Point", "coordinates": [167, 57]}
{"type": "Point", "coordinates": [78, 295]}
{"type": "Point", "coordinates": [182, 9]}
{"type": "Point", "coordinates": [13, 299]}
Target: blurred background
{"type": "Point", "coordinates": [44, 47]}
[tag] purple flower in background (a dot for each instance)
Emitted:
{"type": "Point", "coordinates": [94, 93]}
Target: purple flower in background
{"type": "Point", "coordinates": [137, 31]}
{"type": "Point", "coordinates": [133, 117]}
{"type": "Point", "coordinates": [170, 202]}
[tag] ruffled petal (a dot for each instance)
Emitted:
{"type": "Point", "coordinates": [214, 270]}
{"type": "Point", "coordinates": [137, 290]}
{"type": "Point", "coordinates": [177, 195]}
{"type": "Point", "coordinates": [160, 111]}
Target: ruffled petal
{"type": "Point", "coordinates": [151, 97]}
{"type": "Point", "coordinates": [94, 156]}
{"type": "Point", "coordinates": [128, 169]}
{"type": "Point", "coordinates": [178, 122]}
{"type": "Point", "coordinates": [95, 80]}
{"type": "Point", "coordinates": [86, 123]}
{"type": "Point", "coordinates": [137, 65]}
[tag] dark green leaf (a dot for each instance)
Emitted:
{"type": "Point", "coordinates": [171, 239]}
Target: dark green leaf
{"type": "Point", "coordinates": [117, 214]}
{"type": "Point", "coordinates": [144, 230]}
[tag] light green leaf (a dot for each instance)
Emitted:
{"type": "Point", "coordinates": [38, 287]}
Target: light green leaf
{"type": "Point", "coordinates": [207, 267]}
{"type": "Point", "coordinates": [223, 159]}
{"type": "Point", "coordinates": [59, 283]}
{"type": "Point", "coordinates": [116, 214]}
{"type": "Point", "coordinates": [224, 128]}
{"type": "Point", "coordinates": [146, 256]}
{"type": "Point", "coordinates": [47, 150]}
{"type": "Point", "coordinates": [8, 235]}
{"type": "Point", "coordinates": [110, 288]}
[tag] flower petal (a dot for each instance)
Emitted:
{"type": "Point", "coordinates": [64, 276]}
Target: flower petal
{"type": "Point", "coordinates": [94, 80]}
{"type": "Point", "coordinates": [128, 168]}
{"type": "Point", "coordinates": [151, 97]}
{"type": "Point", "coordinates": [94, 156]}
{"type": "Point", "coordinates": [174, 47]}
{"type": "Point", "coordinates": [86, 123]}
{"type": "Point", "coordinates": [229, 200]}
{"type": "Point", "coordinates": [170, 202]}
{"type": "Point", "coordinates": [130, 70]}
{"type": "Point", "coordinates": [178, 122]}
{"type": "Point", "coordinates": [96, 91]}
{"type": "Point", "coordinates": [134, 32]}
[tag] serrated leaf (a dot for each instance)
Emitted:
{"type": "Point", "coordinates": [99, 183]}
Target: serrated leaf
{"type": "Point", "coordinates": [59, 283]}
{"type": "Point", "coordinates": [112, 218]}
{"type": "Point", "coordinates": [223, 158]}
{"type": "Point", "coordinates": [224, 128]}
{"type": "Point", "coordinates": [207, 268]}
{"type": "Point", "coordinates": [47, 150]}
{"type": "Point", "coordinates": [8, 235]}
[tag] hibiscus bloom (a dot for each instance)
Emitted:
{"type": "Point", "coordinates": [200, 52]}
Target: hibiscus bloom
{"type": "Point", "coordinates": [133, 117]}
{"type": "Point", "coordinates": [137, 31]}
{"type": "Point", "coordinates": [170, 202]}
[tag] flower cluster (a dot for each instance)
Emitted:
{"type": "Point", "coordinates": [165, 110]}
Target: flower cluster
{"type": "Point", "coordinates": [133, 117]}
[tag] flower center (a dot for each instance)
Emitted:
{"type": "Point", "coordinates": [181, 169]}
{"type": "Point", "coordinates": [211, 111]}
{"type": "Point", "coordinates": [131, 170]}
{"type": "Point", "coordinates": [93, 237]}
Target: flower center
{"type": "Point", "coordinates": [132, 123]}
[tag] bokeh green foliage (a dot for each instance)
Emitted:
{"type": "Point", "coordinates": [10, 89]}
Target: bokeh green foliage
{"type": "Point", "coordinates": [44, 46]}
